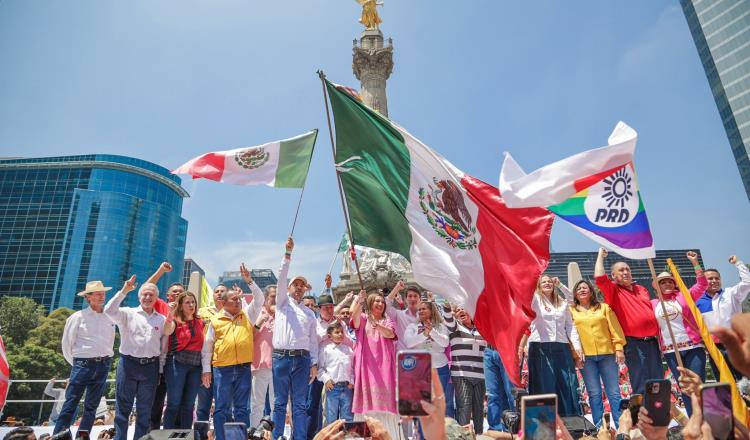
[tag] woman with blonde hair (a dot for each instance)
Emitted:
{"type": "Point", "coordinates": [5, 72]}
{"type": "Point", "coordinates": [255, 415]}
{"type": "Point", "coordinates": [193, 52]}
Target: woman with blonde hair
{"type": "Point", "coordinates": [551, 341]}
{"type": "Point", "coordinates": [374, 362]}
{"type": "Point", "coordinates": [182, 369]}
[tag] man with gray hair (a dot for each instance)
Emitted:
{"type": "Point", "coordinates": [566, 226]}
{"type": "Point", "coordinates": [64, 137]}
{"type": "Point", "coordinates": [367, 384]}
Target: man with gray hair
{"type": "Point", "coordinates": [141, 330]}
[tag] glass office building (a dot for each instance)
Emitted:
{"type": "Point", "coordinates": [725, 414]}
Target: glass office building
{"type": "Point", "coordinates": [558, 265]}
{"type": "Point", "coordinates": [721, 31]}
{"type": "Point", "coordinates": [68, 220]}
{"type": "Point", "coordinates": [261, 277]}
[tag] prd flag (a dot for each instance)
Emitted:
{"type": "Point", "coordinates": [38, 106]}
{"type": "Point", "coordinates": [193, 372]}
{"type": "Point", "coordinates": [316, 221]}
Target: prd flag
{"type": "Point", "coordinates": [461, 240]}
{"type": "Point", "coordinates": [595, 191]}
{"type": "Point", "coordinates": [281, 164]}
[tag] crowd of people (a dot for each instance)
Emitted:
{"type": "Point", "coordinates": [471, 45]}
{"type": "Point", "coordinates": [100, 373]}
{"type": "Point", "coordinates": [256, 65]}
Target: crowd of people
{"type": "Point", "coordinates": [312, 364]}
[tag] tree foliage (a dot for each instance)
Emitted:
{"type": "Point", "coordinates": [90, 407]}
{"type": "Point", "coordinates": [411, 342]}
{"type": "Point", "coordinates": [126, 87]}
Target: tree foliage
{"type": "Point", "coordinates": [18, 316]}
{"type": "Point", "coordinates": [48, 333]}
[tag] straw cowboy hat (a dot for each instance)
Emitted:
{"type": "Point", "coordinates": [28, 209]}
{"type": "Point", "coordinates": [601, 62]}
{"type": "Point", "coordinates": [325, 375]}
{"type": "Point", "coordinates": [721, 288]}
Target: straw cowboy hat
{"type": "Point", "coordinates": [665, 276]}
{"type": "Point", "coordinates": [94, 286]}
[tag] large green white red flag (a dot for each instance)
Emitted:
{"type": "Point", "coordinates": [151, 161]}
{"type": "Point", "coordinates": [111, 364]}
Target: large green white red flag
{"type": "Point", "coordinates": [461, 240]}
{"type": "Point", "coordinates": [281, 164]}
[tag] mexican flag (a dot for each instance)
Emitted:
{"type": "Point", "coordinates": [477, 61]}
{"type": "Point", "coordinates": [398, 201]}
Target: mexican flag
{"type": "Point", "coordinates": [463, 243]}
{"type": "Point", "coordinates": [281, 164]}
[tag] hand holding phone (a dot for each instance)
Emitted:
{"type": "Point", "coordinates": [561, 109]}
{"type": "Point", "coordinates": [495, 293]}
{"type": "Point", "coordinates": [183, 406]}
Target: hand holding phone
{"type": "Point", "coordinates": [716, 401]}
{"type": "Point", "coordinates": [657, 401]}
{"type": "Point", "coordinates": [539, 416]}
{"type": "Point", "coordinates": [413, 381]}
{"type": "Point", "coordinates": [356, 430]}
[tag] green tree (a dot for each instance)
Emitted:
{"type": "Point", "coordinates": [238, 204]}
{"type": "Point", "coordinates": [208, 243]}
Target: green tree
{"type": "Point", "coordinates": [32, 362]}
{"type": "Point", "coordinates": [48, 333]}
{"type": "Point", "coordinates": [18, 316]}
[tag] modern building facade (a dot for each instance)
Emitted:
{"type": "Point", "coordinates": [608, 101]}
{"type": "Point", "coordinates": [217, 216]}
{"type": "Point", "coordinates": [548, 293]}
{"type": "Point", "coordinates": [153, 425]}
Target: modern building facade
{"type": "Point", "coordinates": [68, 220]}
{"type": "Point", "coordinates": [721, 31]}
{"type": "Point", "coordinates": [188, 268]}
{"type": "Point", "coordinates": [261, 277]}
{"type": "Point", "coordinates": [558, 265]}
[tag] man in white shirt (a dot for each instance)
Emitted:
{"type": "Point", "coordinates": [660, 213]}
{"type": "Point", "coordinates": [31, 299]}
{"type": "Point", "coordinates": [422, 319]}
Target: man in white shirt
{"type": "Point", "coordinates": [295, 351]}
{"type": "Point", "coordinates": [141, 329]}
{"type": "Point", "coordinates": [87, 342]}
{"type": "Point", "coordinates": [403, 318]}
{"type": "Point", "coordinates": [718, 304]}
{"type": "Point", "coordinates": [58, 395]}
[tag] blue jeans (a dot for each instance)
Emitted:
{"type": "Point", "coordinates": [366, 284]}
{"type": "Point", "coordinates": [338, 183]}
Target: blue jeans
{"type": "Point", "coordinates": [232, 390]}
{"type": "Point", "coordinates": [643, 359]}
{"type": "Point", "coordinates": [694, 360]}
{"type": "Point", "coordinates": [598, 369]}
{"type": "Point", "coordinates": [134, 381]}
{"type": "Point", "coordinates": [205, 399]}
{"type": "Point", "coordinates": [290, 376]}
{"type": "Point", "coordinates": [91, 377]}
{"type": "Point", "coordinates": [314, 410]}
{"type": "Point", "coordinates": [339, 403]}
{"type": "Point", "coordinates": [182, 387]}
{"type": "Point", "coordinates": [444, 373]}
{"type": "Point", "coordinates": [499, 394]}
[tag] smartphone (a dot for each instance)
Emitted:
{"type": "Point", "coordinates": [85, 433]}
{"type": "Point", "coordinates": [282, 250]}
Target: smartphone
{"type": "Point", "coordinates": [82, 434]}
{"type": "Point", "coordinates": [717, 409]}
{"type": "Point", "coordinates": [413, 381]}
{"type": "Point", "coordinates": [235, 431]}
{"type": "Point", "coordinates": [200, 428]}
{"type": "Point", "coordinates": [356, 430]}
{"type": "Point", "coordinates": [538, 416]}
{"type": "Point", "coordinates": [634, 405]}
{"type": "Point", "coordinates": [606, 419]}
{"type": "Point", "coordinates": [657, 400]}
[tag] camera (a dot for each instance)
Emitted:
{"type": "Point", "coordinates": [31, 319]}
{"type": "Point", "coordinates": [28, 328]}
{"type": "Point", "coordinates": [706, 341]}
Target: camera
{"type": "Point", "coordinates": [62, 435]}
{"type": "Point", "coordinates": [512, 417]}
{"type": "Point", "coordinates": [257, 432]}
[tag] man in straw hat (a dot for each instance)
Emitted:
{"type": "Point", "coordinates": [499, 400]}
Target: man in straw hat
{"type": "Point", "coordinates": [87, 345]}
{"type": "Point", "coordinates": [295, 351]}
{"type": "Point", "coordinates": [141, 330]}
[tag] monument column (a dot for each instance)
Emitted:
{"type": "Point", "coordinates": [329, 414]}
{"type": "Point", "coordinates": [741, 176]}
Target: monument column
{"type": "Point", "coordinates": [372, 63]}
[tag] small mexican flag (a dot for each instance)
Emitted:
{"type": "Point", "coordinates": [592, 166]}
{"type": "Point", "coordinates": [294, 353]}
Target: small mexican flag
{"type": "Point", "coordinates": [281, 164]}
{"type": "Point", "coordinates": [461, 240]}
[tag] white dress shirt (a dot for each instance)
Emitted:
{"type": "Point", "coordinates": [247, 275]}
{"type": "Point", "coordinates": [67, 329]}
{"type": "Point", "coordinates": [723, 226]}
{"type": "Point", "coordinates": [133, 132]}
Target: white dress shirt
{"type": "Point", "coordinates": [414, 338]}
{"type": "Point", "coordinates": [553, 323]}
{"type": "Point", "coordinates": [402, 319]}
{"type": "Point", "coordinates": [335, 363]}
{"type": "Point", "coordinates": [728, 301]}
{"type": "Point", "coordinates": [296, 325]}
{"type": "Point", "coordinates": [59, 396]}
{"type": "Point", "coordinates": [140, 332]}
{"type": "Point", "coordinates": [323, 339]}
{"type": "Point", "coordinates": [88, 334]}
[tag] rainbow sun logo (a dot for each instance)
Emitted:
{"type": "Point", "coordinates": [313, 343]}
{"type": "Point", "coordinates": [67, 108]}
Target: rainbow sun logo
{"type": "Point", "coordinates": [618, 189]}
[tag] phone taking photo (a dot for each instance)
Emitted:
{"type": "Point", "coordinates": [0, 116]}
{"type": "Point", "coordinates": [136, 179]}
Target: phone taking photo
{"type": "Point", "coordinates": [658, 401]}
{"type": "Point", "coordinates": [413, 381]}
{"type": "Point", "coordinates": [634, 405]}
{"type": "Point", "coordinates": [717, 409]}
{"type": "Point", "coordinates": [538, 416]}
{"type": "Point", "coordinates": [356, 430]}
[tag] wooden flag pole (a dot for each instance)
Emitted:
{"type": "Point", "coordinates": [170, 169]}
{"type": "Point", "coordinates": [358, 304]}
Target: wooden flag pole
{"type": "Point", "coordinates": [664, 311]}
{"type": "Point", "coordinates": [338, 178]}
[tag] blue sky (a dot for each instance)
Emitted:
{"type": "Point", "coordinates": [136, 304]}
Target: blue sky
{"type": "Point", "coordinates": [168, 80]}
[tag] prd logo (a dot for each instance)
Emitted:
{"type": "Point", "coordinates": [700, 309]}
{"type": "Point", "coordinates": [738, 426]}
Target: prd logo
{"type": "Point", "coordinates": [613, 201]}
{"type": "Point", "coordinates": [408, 362]}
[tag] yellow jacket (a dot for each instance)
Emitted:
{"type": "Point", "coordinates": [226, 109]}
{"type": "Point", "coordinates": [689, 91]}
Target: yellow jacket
{"type": "Point", "coordinates": [599, 330]}
{"type": "Point", "coordinates": [233, 340]}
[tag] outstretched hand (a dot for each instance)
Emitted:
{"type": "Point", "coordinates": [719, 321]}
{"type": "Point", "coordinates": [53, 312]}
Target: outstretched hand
{"type": "Point", "coordinates": [289, 245]}
{"type": "Point", "coordinates": [246, 277]}
{"type": "Point", "coordinates": [129, 285]}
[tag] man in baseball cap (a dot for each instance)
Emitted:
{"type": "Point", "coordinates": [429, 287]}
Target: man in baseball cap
{"type": "Point", "coordinates": [87, 343]}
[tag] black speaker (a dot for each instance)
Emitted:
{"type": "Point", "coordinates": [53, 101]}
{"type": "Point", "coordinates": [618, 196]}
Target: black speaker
{"type": "Point", "coordinates": [170, 434]}
{"type": "Point", "coordinates": [579, 426]}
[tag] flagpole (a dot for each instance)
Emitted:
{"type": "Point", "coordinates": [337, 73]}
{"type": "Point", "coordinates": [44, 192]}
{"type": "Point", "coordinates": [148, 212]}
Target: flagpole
{"type": "Point", "coordinates": [335, 257]}
{"type": "Point", "coordinates": [299, 202]}
{"type": "Point", "coordinates": [664, 312]}
{"type": "Point", "coordinates": [338, 179]}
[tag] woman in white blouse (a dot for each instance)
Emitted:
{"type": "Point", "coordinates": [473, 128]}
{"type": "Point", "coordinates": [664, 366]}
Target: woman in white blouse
{"type": "Point", "coordinates": [552, 342]}
{"type": "Point", "coordinates": [429, 333]}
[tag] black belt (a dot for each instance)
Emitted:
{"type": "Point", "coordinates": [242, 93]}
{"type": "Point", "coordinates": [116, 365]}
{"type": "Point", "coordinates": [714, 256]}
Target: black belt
{"type": "Point", "coordinates": [295, 352]}
{"type": "Point", "coordinates": [94, 359]}
{"type": "Point", "coordinates": [344, 383]}
{"type": "Point", "coordinates": [646, 339]}
{"type": "Point", "coordinates": [142, 361]}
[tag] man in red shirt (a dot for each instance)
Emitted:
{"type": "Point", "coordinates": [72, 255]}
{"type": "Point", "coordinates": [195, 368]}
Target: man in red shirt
{"type": "Point", "coordinates": [632, 305]}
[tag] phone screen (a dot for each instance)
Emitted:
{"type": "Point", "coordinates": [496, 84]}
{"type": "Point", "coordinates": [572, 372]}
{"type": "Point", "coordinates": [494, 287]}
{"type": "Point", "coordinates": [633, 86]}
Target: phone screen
{"type": "Point", "coordinates": [414, 377]}
{"type": "Point", "coordinates": [657, 401]}
{"type": "Point", "coordinates": [355, 430]}
{"type": "Point", "coordinates": [717, 410]}
{"type": "Point", "coordinates": [235, 431]}
{"type": "Point", "coordinates": [538, 415]}
{"type": "Point", "coordinates": [201, 430]}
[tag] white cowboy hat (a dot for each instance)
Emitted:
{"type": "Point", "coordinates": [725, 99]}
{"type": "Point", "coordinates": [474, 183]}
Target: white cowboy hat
{"type": "Point", "coordinates": [94, 286]}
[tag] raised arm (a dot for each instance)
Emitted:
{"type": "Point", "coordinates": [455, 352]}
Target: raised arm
{"type": "Point", "coordinates": [356, 310]}
{"type": "Point", "coordinates": [569, 297]}
{"type": "Point", "coordinates": [256, 305]}
{"type": "Point", "coordinates": [169, 325]}
{"type": "Point", "coordinates": [599, 265]}
{"type": "Point", "coordinates": [112, 308]}
{"type": "Point", "coordinates": [701, 283]}
{"type": "Point", "coordinates": [392, 312]}
{"type": "Point", "coordinates": [344, 302]}
{"type": "Point", "coordinates": [282, 292]}
{"type": "Point", "coordinates": [164, 267]}
{"type": "Point", "coordinates": [448, 318]}
{"type": "Point", "coordinates": [606, 286]}
{"type": "Point", "coordinates": [743, 287]}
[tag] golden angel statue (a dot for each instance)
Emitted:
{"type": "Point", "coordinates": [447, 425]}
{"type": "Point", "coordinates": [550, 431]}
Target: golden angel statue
{"type": "Point", "coordinates": [370, 18]}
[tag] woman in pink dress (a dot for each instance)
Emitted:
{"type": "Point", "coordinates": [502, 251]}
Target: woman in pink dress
{"type": "Point", "coordinates": [374, 363]}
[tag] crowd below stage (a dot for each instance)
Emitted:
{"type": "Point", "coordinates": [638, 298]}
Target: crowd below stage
{"type": "Point", "coordinates": [309, 364]}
